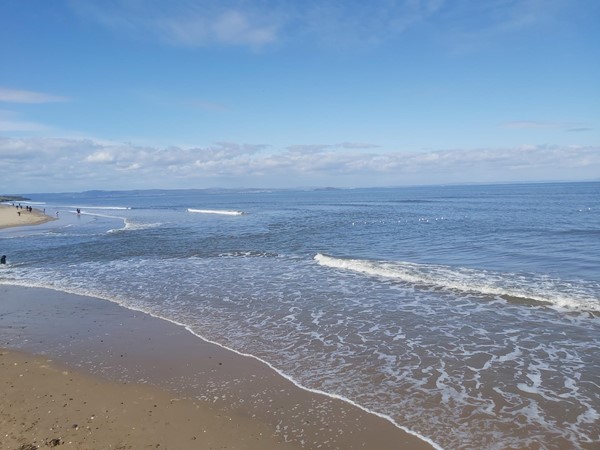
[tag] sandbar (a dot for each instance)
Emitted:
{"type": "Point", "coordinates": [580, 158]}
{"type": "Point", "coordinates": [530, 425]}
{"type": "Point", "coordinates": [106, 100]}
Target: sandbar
{"type": "Point", "coordinates": [10, 216]}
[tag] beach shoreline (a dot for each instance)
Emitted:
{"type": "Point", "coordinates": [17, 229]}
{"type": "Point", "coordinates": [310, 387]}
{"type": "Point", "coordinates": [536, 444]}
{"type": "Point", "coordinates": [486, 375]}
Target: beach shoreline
{"type": "Point", "coordinates": [116, 347]}
{"type": "Point", "coordinates": [11, 216]}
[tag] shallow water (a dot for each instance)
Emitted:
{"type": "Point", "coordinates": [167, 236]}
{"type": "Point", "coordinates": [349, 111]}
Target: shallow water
{"type": "Point", "coordinates": [468, 314]}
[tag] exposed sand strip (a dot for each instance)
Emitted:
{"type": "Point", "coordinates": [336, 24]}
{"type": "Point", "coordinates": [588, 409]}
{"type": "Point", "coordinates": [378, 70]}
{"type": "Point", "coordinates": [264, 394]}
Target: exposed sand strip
{"type": "Point", "coordinates": [10, 216]}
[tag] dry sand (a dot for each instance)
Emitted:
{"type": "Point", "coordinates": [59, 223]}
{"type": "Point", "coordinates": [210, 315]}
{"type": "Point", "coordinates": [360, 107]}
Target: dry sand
{"type": "Point", "coordinates": [115, 365]}
{"type": "Point", "coordinates": [10, 217]}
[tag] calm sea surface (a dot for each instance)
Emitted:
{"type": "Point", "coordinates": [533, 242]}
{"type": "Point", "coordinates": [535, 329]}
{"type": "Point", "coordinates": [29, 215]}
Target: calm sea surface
{"type": "Point", "coordinates": [468, 314]}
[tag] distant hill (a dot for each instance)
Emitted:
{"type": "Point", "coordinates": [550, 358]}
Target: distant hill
{"type": "Point", "coordinates": [12, 198]}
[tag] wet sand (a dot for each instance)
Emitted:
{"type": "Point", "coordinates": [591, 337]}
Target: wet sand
{"type": "Point", "coordinates": [9, 217]}
{"type": "Point", "coordinates": [46, 404]}
{"type": "Point", "coordinates": [103, 354]}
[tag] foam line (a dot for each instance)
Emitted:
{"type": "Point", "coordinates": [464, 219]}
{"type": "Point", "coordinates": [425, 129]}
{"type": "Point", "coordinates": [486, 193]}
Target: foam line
{"type": "Point", "coordinates": [27, 202]}
{"type": "Point", "coordinates": [216, 211]}
{"type": "Point", "coordinates": [247, 355]}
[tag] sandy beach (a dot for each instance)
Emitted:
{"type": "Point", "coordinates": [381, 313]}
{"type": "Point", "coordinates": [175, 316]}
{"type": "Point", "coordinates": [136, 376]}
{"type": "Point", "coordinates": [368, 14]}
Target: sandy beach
{"type": "Point", "coordinates": [46, 404]}
{"type": "Point", "coordinates": [10, 217]}
{"type": "Point", "coordinates": [108, 377]}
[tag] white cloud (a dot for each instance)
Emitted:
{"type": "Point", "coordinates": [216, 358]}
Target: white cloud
{"type": "Point", "coordinates": [79, 164]}
{"type": "Point", "coordinates": [358, 145]}
{"type": "Point", "coordinates": [316, 148]}
{"type": "Point", "coordinates": [100, 157]}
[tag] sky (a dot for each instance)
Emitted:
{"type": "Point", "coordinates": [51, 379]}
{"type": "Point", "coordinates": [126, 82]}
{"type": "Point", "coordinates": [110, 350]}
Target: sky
{"type": "Point", "coordinates": [135, 94]}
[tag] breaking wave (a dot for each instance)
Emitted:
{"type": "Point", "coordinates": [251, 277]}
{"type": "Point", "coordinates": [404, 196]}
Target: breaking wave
{"type": "Point", "coordinates": [216, 211]}
{"type": "Point", "coordinates": [523, 288]}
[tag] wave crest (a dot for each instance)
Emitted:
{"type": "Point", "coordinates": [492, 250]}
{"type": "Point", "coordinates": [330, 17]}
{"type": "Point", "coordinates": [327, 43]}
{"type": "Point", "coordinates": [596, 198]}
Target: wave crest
{"type": "Point", "coordinates": [216, 211]}
{"type": "Point", "coordinates": [521, 288]}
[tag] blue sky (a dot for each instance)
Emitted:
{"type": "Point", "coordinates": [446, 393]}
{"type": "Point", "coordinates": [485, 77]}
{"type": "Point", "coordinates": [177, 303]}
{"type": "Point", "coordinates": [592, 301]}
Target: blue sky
{"type": "Point", "coordinates": [124, 94]}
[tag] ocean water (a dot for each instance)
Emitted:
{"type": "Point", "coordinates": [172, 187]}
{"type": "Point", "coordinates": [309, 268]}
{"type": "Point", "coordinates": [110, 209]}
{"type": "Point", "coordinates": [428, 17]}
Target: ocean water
{"type": "Point", "coordinates": [469, 315]}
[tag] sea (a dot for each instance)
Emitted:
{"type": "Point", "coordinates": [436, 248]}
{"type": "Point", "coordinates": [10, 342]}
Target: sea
{"type": "Point", "coordinates": [469, 315]}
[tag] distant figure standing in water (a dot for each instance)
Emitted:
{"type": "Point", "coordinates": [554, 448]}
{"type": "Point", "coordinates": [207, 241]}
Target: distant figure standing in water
{"type": "Point", "coordinates": [3, 259]}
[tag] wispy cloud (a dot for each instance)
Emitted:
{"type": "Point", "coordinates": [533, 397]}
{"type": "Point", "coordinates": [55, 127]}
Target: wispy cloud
{"type": "Point", "coordinates": [467, 26]}
{"type": "Point", "coordinates": [229, 27]}
{"type": "Point", "coordinates": [12, 126]}
{"type": "Point", "coordinates": [308, 148]}
{"type": "Point", "coordinates": [21, 96]}
{"type": "Point", "coordinates": [540, 125]}
{"type": "Point", "coordinates": [10, 122]}
{"type": "Point", "coordinates": [579, 129]}
{"type": "Point", "coordinates": [357, 23]}
{"type": "Point", "coordinates": [318, 148]}
{"type": "Point", "coordinates": [333, 23]}
{"type": "Point", "coordinates": [531, 125]}
{"type": "Point", "coordinates": [185, 23]}
{"type": "Point", "coordinates": [358, 145]}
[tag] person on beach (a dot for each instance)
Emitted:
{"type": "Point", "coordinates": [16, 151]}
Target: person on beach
{"type": "Point", "coordinates": [3, 259]}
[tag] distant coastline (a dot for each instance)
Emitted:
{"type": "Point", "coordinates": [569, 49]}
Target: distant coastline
{"type": "Point", "coordinates": [260, 190]}
{"type": "Point", "coordinates": [13, 198]}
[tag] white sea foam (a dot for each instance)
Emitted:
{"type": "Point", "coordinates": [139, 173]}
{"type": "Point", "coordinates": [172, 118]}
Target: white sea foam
{"type": "Point", "coordinates": [343, 334]}
{"type": "Point", "coordinates": [127, 224]}
{"type": "Point", "coordinates": [216, 211]}
{"type": "Point", "coordinates": [539, 288]}
{"type": "Point", "coordinates": [28, 202]}
{"type": "Point", "coordinates": [134, 226]}
{"type": "Point", "coordinates": [248, 254]}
